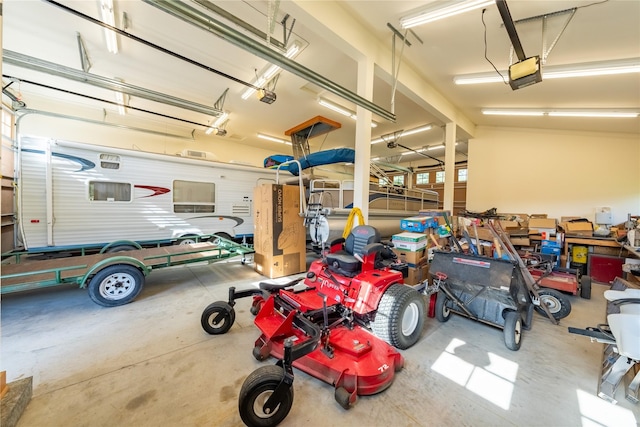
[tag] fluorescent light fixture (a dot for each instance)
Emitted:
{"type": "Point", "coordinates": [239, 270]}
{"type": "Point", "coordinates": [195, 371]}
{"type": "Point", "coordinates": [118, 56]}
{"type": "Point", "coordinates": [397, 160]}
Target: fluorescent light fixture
{"type": "Point", "coordinates": [217, 123]}
{"type": "Point", "coordinates": [564, 113]}
{"type": "Point", "coordinates": [606, 114]}
{"type": "Point", "coordinates": [273, 139]}
{"type": "Point", "coordinates": [341, 110]}
{"type": "Point", "coordinates": [512, 113]}
{"type": "Point", "coordinates": [108, 17]}
{"type": "Point", "coordinates": [406, 133]}
{"type": "Point", "coordinates": [271, 71]}
{"type": "Point", "coordinates": [441, 10]}
{"type": "Point", "coordinates": [121, 104]}
{"type": "Point", "coordinates": [587, 69]}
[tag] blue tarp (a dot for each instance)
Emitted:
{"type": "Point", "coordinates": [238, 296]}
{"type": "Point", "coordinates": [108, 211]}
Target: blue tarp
{"type": "Point", "coordinates": [326, 157]}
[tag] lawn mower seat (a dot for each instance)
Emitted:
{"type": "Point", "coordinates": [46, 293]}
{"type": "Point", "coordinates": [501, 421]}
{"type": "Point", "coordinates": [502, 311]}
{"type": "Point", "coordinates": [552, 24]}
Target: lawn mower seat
{"type": "Point", "coordinates": [363, 241]}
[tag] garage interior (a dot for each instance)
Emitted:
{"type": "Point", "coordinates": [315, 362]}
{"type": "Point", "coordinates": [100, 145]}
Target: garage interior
{"type": "Point", "coordinates": [528, 111]}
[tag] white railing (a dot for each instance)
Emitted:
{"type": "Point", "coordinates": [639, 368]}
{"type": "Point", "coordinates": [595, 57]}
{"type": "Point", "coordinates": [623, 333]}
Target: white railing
{"type": "Point", "coordinates": [339, 195]}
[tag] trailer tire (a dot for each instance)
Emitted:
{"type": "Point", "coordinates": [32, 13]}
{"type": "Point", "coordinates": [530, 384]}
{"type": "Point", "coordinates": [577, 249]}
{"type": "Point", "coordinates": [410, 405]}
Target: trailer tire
{"type": "Point", "coordinates": [585, 287]}
{"type": "Point", "coordinates": [512, 330]}
{"type": "Point", "coordinates": [557, 303]}
{"type": "Point", "coordinates": [116, 285]}
{"type": "Point", "coordinates": [254, 393]}
{"type": "Point", "coordinates": [218, 318]}
{"type": "Point", "coordinates": [121, 248]}
{"type": "Point", "coordinates": [443, 314]}
{"type": "Point", "coordinates": [400, 317]}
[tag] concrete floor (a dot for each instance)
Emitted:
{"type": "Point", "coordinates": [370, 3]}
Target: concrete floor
{"type": "Point", "coordinates": [149, 363]}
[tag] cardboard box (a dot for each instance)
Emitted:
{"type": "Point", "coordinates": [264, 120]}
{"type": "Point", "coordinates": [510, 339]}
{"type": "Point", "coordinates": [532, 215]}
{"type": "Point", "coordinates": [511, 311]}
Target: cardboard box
{"type": "Point", "coordinates": [409, 241]}
{"type": "Point", "coordinates": [417, 275]}
{"type": "Point", "coordinates": [279, 233]}
{"type": "Point", "coordinates": [413, 258]}
{"type": "Point", "coordinates": [418, 223]}
{"type": "Point", "coordinates": [543, 225]}
{"type": "Point", "coordinates": [409, 237]}
{"type": "Point", "coordinates": [520, 241]}
{"type": "Point", "coordinates": [483, 233]}
{"type": "Point", "coordinates": [580, 228]}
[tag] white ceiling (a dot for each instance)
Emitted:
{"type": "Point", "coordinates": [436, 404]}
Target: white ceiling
{"type": "Point", "coordinates": [598, 31]}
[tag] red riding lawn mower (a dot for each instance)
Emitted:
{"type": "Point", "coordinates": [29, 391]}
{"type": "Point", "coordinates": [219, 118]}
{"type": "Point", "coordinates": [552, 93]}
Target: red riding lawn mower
{"type": "Point", "coordinates": [339, 323]}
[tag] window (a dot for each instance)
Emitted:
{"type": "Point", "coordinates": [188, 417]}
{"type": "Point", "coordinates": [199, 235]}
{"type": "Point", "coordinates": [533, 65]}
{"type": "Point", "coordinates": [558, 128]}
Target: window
{"type": "Point", "coordinates": [462, 175]}
{"type": "Point", "coordinates": [398, 180]}
{"type": "Point", "coordinates": [194, 197]}
{"type": "Point", "coordinates": [439, 177]}
{"type": "Point", "coordinates": [422, 178]}
{"type": "Point", "coordinates": [102, 191]}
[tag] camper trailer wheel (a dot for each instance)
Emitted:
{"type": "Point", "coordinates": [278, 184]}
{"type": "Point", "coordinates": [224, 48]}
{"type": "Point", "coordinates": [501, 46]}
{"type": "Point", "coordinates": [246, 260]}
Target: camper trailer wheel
{"type": "Point", "coordinates": [512, 330]}
{"type": "Point", "coordinates": [256, 390]}
{"type": "Point", "coordinates": [400, 316]}
{"type": "Point", "coordinates": [442, 311]}
{"type": "Point", "coordinates": [218, 318]}
{"type": "Point", "coordinates": [585, 287]}
{"type": "Point", "coordinates": [116, 285]}
{"type": "Point", "coordinates": [557, 303]}
{"type": "Point", "coordinates": [188, 240]}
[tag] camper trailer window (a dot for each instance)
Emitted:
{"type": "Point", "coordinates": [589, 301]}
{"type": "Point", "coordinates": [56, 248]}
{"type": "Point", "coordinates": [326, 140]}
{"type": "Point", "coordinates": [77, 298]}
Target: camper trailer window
{"type": "Point", "coordinates": [194, 197]}
{"type": "Point", "coordinates": [100, 191]}
{"type": "Point", "coordinates": [110, 161]}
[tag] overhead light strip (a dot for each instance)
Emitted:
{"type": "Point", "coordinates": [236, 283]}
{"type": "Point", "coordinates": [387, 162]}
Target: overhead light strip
{"type": "Point", "coordinates": [603, 68]}
{"type": "Point", "coordinates": [339, 109]}
{"type": "Point", "coordinates": [271, 71]}
{"type": "Point", "coordinates": [442, 11]}
{"type": "Point", "coordinates": [109, 18]}
{"type": "Point", "coordinates": [563, 113]}
{"type": "Point", "coordinates": [406, 133]}
{"type": "Point", "coordinates": [273, 139]}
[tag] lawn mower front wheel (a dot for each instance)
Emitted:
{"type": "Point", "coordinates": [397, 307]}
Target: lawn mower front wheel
{"type": "Point", "coordinates": [400, 317]}
{"type": "Point", "coordinates": [255, 392]}
{"type": "Point", "coordinates": [218, 318]}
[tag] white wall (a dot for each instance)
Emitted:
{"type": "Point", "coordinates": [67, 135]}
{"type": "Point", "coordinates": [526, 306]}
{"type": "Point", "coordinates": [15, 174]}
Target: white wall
{"type": "Point", "coordinates": [559, 173]}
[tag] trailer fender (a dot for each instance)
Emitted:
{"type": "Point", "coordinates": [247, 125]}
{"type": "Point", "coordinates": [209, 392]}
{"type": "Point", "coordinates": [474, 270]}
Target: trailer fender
{"type": "Point", "coordinates": [119, 246]}
{"type": "Point", "coordinates": [112, 261]}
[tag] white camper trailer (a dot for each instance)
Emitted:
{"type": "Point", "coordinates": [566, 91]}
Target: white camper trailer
{"type": "Point", "coordinates": [72, 195]}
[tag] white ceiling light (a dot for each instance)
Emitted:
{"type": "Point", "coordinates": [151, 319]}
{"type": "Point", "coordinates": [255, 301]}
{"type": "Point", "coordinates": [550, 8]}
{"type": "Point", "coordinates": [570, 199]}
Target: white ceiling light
{"type": "Point", "coordinates": [441, 10]}
{"type": "Point", "coordinates": [108, 17]}
{"type": "Point", "coordinates": [564, 113]}
{"type": "Point", "coordinates": [273, 139]}
{"type": "Point", "coordinates": [271, 71]}
{"type": "Point", "coordinates": [602, 68]}
{"type": "Point", "coordinates": [512, 113]}
{"type": "Point", "coordinates": [405, 133]}
{"type": "Point", "coordinates": [217, 123]}
{"type": "Point", "coordinates": [339, 109]}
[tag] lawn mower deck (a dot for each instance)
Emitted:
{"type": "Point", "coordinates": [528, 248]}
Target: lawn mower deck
{"type": "Point", "coordinates": [349, 358]}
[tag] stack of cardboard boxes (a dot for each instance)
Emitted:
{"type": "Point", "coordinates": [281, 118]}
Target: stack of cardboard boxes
{"type": "Point", "coordinates": [410, 246]}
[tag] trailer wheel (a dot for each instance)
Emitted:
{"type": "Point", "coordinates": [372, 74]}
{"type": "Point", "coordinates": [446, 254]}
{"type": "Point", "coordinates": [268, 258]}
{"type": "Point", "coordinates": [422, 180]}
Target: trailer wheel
{"type": "Point", "coordinates": [218, 318]}
{"type": "Point", "coordinates": [512, 330]}
{"type": "Point", "coordinates": [443, 313]}
{"type": "Point", "coordinates": [342, 396]}
{"type": "Point", "coordinates": [557, 303]}
{"type": "Point", "coordinates": [400, 316]}
{"type": "Point", "coordinates": [116, 285]}
{"type": "Point", "coordinates": [256, 390]}
{"type": "Point", "coordinates": [585, 287]}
